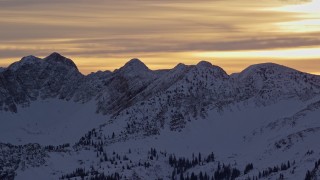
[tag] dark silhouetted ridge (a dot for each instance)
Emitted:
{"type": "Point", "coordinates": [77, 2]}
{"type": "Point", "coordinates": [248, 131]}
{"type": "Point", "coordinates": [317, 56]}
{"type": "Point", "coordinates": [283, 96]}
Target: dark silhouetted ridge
{"type": "Point", "coordinates": [58, 58]}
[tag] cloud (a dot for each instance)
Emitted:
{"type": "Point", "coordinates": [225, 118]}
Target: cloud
{"type": "Point", "coordinates": [122, 46]}
{"type": "Point", "coordinates": [160, 30]}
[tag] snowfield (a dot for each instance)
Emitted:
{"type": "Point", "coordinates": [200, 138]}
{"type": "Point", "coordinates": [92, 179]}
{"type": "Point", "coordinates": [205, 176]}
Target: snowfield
{"type": "Point", "coordinates": [49, 122]}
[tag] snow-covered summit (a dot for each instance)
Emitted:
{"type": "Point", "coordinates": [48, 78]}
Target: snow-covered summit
{"type": "Point", "coordinates": [180, 67]}
{"type": "Point", "coordinates": [135, 70]}
{"type": "Point", "coordinates": [204, 64]}
{"type": "Point", "coordinates": [274, 81]}
{"type": "Point", "coordinates": [265, 69]}
{"type": "Point", "coordinates": [134, 65]}
{"type": "Point", "coordinates": [58, 58]}
{"type": "Point", "coordinates": [211, 70]}
{"type": "Point", "coordinates": [25, 61]}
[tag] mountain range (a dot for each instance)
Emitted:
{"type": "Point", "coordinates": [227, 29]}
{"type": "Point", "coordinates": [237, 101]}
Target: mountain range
{"type": "Point", "coordinates": [192, 121]}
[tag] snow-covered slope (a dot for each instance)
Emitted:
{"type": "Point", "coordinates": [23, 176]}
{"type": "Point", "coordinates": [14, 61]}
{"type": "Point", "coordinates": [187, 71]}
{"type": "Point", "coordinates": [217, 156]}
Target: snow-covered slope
{"type": "Point", "coordinates": [135, 123]}
{"type": "Point", "coordinates": [49, 122]}
{"type": "Point", "coordinates": [271, 82]}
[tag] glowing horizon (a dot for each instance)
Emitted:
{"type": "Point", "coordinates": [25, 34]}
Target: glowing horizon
{"type": "Point", "coordinates": [103, 35]}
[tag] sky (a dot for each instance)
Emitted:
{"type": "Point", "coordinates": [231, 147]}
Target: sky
{"type": "Point", "coordinates": [105, 34]}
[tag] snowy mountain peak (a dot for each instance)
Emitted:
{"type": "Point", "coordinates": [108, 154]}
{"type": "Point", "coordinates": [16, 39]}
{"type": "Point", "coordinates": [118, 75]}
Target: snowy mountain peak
{"type": "Point", "coordinates": [265, 70]}
{"type": "Point", "coordinates": [204, 64]}
{"type": "Point", "coordinates": [270, 65]}
{"type": "Point", "coordinates": [27, 60]}
{"type": "Point", "coordinates": [58, 58]}
{"type": "Point", "coordinates": [136, 65]}
{"type": "Point", "coordinates": [180, 66]}
{"type": "Point", "coordinates": [267, 66]}
{"type": "Point", "coordinates": [135, 68]}
{"type": "Point", "coordinates": [207, 67]}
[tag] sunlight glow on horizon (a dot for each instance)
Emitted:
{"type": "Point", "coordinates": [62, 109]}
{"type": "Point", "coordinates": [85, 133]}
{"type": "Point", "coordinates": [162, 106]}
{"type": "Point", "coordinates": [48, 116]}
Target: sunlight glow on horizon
{"type": "Point", "coordinates": [298, 53]}
{"type": "Point", "coordinates": [307, 7]}
{"type": "Point", "coordinates": [308, 18]}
